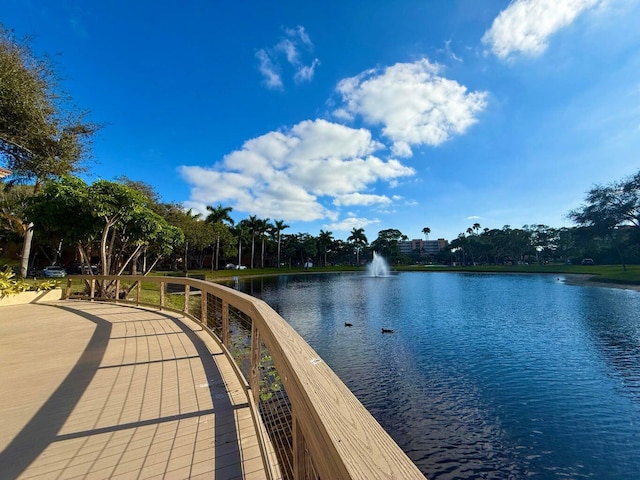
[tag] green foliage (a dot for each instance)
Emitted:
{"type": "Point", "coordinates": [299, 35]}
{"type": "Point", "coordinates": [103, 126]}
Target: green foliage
{"type": "Point", "coordinates": [113, 214]}
{"type": "Point", "coordinates": [39, 136]}
{"type": "Point", "coordinates": [10, 285]}
{"type": "Point", "coordinates": [387, 244]}
{"type": "Point", "coordinates": [13, 202]}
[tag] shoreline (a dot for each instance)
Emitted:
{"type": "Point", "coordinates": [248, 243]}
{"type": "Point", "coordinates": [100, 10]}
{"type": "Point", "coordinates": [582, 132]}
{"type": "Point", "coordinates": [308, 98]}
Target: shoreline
{"type": "Point", "coordinates": [577, 279]}
{"type": "Point", "coordinates": [588, 280]}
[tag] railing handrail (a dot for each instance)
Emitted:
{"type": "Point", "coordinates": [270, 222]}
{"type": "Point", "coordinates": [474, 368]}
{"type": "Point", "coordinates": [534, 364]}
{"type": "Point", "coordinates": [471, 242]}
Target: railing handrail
{"type": "Point", "coordinates": [342, 438]}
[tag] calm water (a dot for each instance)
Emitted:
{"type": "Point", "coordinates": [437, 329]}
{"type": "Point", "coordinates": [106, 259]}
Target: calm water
{"type": "Point", "coordinates": [486, 376]}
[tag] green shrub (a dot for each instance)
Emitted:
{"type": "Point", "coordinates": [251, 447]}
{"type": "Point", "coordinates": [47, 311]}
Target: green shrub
{"type": "Point", "coordinates": [9, 285]}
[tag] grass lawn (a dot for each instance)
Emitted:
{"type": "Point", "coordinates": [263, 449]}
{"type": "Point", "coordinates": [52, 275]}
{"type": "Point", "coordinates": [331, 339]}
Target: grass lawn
{"type": "Point", "coordinates": [600, 273]}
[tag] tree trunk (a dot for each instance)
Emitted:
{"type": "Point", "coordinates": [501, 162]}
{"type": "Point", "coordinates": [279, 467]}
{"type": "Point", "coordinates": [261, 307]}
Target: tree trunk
{"type": "Point", "coordinates": [278, 250]}
{"type": "Point", "coordinates": [253, 248]}
{"type": "Point", "coordinates": [134, 262]}
{"type": "Point", "coordinates": [217, 250]}
{"type": "Point", "coordinates": [26, 251]}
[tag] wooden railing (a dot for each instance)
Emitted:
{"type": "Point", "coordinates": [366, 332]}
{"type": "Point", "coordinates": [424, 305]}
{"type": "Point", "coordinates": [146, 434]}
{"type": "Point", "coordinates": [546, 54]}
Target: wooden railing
{"type": "Point", "coordinates": [317, 427]}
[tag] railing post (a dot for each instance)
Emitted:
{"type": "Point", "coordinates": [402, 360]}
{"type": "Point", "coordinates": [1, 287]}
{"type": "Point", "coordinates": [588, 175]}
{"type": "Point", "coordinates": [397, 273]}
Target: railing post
{"type": "Point", "coordinates": [92, 289]}
{"type": "Point", "coordinates": [162, 295]}
{"type": "Point", "coordinates": [254, 377]}
{"type": "Point", "coordinates": [117, 293]}
{"type": "Point", "coordinates": [203, 307]}
{"type": "Point", "coordinates": [138, 292]}
{"type": "Point", "coordinates": [187, 290]}
{"type": "Point", "coordinates": [225, 323]}
{"type": "Point", "coordinates": [67, 290]}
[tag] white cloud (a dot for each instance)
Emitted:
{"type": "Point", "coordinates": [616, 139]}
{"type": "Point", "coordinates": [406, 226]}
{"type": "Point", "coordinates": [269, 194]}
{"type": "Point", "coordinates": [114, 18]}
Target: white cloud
{"type": "Point", "coordinates": [268, 70]}
{"type": "Point", "coordinates": [450, 53]}
{"type": "Point", "coordinates": [415, 105]}
{"type": "Point", "coordinates": [526, 25]}
{"type": "Point", "coordinates": [286, 174]}
{"type": "Point", "coordinates": [350, 223]}
{"type": "Point", "coordinates": [365, 199]}
{"type": "Point", "coordinates": [305, 73]}
{"type": "Point", "coordinates": [287, 47]}
{"type": "Point", "coordinates": [301, 34]}
{"type": "Point", "coordinates": [289, 50]}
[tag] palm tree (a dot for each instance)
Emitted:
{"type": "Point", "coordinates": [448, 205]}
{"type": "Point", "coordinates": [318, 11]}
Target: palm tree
{"type": "Point", "coordinates": [254, 225]}
{"type": "Point", "coordinates": [426, 231]}
{"type": "Point", "coordinates": [324, 240]}
{"type": "Point", "coordinates": [219, 215]}
{"type": "Point", "coordinates": [277, 228]}
{"type": "Point", "coordinates": [241, 230]}
{"type": "Point", "coordinates": [263, 227]}
{"type": "Point", "coordinates": [470, 233]}
{"type": "Point", "coordinates": [359, 239]}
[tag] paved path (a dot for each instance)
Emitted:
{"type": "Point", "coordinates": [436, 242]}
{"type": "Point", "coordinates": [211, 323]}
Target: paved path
{"type": "Point", "coordinates": [96, 391]}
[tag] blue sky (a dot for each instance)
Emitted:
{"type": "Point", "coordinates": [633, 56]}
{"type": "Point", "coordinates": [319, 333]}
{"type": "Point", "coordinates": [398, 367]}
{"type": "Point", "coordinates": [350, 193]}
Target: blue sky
{"type": "Point", "coordinates": [340, 114]}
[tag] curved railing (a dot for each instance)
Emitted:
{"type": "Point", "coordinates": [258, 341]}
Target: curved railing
{"type": "Point", "coordinates": [315, 425]}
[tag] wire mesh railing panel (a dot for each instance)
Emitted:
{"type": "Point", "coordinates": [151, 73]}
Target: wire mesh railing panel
{"type": "Point", "coordinates": [240, 339]}
{"type": "Point", "coordinates": [214, 314]}
{"type": "Point", "coordinates": [275, 410]}
{"type": "Point", "coordinates": [307, 469]}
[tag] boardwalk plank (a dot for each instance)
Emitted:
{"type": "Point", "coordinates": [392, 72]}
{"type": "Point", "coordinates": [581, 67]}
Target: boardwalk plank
{"type": "Point", "coordinates": [91, 390]}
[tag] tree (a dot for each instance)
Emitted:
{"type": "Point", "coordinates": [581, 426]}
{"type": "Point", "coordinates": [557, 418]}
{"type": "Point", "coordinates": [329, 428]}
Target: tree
{"type": "Point", "coordinates": [612, 205]}
{"type": "Point", "coordinates": [609, 207]}
{"type": "Point", "coordinates": [199, 234]}
{"type": "Point", "coordinates": [359, 240]}
{"type": "Point", "coordinates": [306, 247]}
{"type": "Point", "coordinates": [241, 230]}
{"type": "Point", "coordinates": [278, 227]}
{"type": "Point", "coordinates": [263, 227]}
{"type": "Point", "coordinates": [387, 244]}
{"type": "Point", "coordinates": [39, 139]}
{"type": "Point", "coordinates": [426, 231]}
{"type": "Point", "coordinates": [219, 216]}
{"type": "Point", "coordinates": [324, 242]}
{"type": "Point", "coordinates": [111, 214]}
{"type": "Point", "coordinates": [13, 202]}
{"type": "Point", "coordinates": [253, 225]}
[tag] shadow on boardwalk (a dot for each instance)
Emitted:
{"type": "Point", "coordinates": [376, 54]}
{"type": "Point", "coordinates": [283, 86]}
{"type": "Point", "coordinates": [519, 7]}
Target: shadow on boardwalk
{"type": "Point", "coordinates": [91, 390]}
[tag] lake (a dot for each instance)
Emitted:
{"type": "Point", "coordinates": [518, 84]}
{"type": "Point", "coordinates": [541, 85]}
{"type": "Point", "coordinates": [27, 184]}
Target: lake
{"type": "Point", "coordinates": [485, 375]}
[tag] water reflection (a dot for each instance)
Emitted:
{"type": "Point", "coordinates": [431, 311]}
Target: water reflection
{"type": "Point", "coordinates": [486, 376]}
{"type": "Point", "coordinates": [612, 317]}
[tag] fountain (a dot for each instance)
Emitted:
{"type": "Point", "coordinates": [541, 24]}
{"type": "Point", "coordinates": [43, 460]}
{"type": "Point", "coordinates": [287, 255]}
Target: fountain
{"type": "Point", "coordinates": [378, 266]}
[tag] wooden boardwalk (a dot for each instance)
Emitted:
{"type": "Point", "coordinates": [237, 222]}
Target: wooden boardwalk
{"type": "Point", "coordinates": [95, 391]}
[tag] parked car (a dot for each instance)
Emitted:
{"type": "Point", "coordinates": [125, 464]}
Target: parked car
{"type": "Point", "coordinates": [54, 271]}
{"type": "Point", "coordinates": [587, 261]}
{"type": "Point", "coordinates": [78, 268]}
{"type": "Point", "coordinates": [230, 266]}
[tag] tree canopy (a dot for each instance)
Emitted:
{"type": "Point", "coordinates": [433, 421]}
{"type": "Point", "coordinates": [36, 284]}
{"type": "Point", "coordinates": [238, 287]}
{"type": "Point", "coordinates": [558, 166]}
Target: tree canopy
{"type": "Point", "coordinates": [612, 205]}
{"type": "Point", "coordinates": [112, 214]}
{"type": "Point", "coordinates": [41, 136]}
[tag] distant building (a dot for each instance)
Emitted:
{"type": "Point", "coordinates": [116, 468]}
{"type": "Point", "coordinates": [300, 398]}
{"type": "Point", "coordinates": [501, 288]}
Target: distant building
{"type": "Point", "coordinates": [425, 247]}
